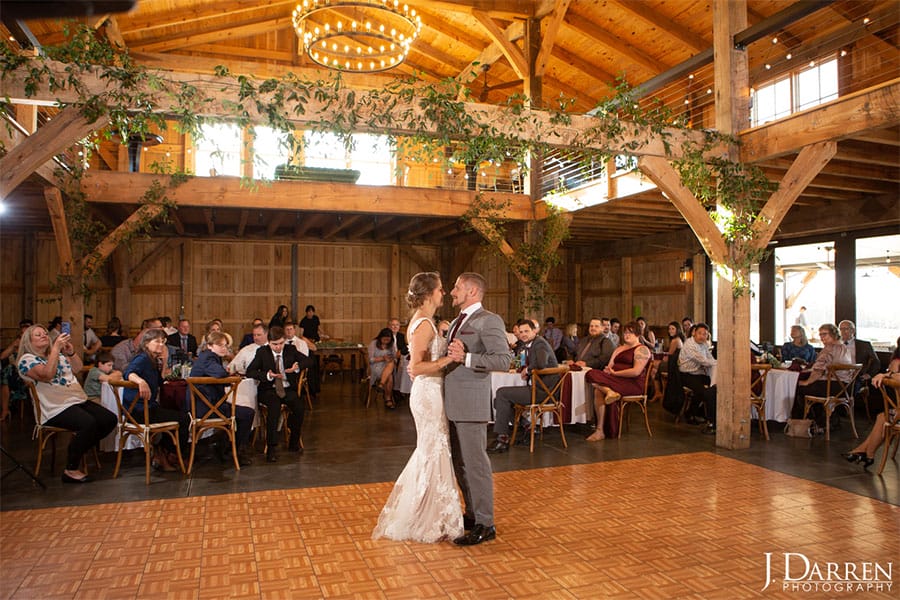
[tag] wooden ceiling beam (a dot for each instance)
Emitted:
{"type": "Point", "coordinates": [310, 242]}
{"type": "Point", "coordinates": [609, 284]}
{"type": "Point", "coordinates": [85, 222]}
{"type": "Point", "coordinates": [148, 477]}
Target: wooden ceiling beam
{"type": "Point", "coordinates": [549, 36]}
{"type": "Point", "coordinates": [242, 222]}
{"type": "Point", "coordinates": [491, 54]}
{"type": "Point", "coordinates": [306, 223]}
{"type": "Point", "coordinates": [437, 22]}
{"type": "Point", "coordinates": [341, 223]}
{"type": "Point", "coordinates": [210, 219]}
{"type": "Point", "coordinates": [54, 200]}
{"type": "Point", "coordinates": [586, 68]}
{"type": "Point", "coordinates": [12, 134]}
{"type": "Point", "coordinates": [363, 226]}
{"type": "Point", "coordinates": [184, 16]}
{"type": "Point", "coordinates": [275, 221]}
{"type": "Point", "coordinates": [32, 152]}
{"type": "Point", "coordinates": [442, 57]}
{"type": "Point", "coordinates": [507, 9]}
{"type": "Point", "coordinates": [858, 154]}
{"type": "Point", "coordinates": [846, 117]}
{"type": "Point", "coordinates": [841, 182]}
{"type": "Point", "coordinates": [104, 187]}
{"type": "Point", "coordinates": [513, 53]}
{"type": "Point", "coordinates": [258, 54]}
{"type": "Point", "coordinates": [105, 248]}
{"type": "Point", "coordinates": [837, 167]}
{"type": "Point", "coordinates": [224, 31]}
{"type": "Point", "coordinates": [584, 25]}
{"type": "Point", "coordinates": [423, 230]}
{"type": "Point", "coordinates": [176, 222]}
{"type": "Point", "coordinates": [669, 27]}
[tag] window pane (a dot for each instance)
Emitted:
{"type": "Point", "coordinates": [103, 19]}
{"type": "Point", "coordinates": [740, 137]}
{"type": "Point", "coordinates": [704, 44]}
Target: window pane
{"type": "Point", "coordinates": [772, 101]}
{"type": "Point", "coordinates": [270, 149]}
{"type": "Point", "coordinates": [806, 274]}
{"type": "Point", "coordinates": [218, 152]}
{"type": "Point", "coordinates": [372, 157]}
{"type": "Point", "coordinates": [817, 84]}
{"type": "Point", "coordinates": [324, 150]}
{"type": "Point", "coordinates": [877, 290]}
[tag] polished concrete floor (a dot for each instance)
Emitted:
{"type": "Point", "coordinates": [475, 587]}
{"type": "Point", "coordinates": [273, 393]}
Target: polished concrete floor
{"type": "Point", "coordinates": [349, 444]}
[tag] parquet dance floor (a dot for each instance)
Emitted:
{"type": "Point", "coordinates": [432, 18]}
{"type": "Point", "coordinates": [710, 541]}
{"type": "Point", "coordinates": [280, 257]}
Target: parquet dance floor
{"type": "Point", "coordinates": [684, 526]}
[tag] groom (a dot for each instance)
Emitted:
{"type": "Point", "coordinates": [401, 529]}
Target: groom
{"type": "Point", "coordinates": [477, 344]}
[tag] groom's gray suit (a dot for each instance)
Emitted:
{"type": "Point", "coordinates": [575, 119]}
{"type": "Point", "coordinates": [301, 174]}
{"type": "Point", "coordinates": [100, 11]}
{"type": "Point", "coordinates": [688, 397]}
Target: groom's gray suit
{"type": "Point", "coordinates": [467, 402]}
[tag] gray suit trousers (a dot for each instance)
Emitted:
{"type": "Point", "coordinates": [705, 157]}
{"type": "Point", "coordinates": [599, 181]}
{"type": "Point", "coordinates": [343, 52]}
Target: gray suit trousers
{"type": "Point", "coordinates": [468, 443]}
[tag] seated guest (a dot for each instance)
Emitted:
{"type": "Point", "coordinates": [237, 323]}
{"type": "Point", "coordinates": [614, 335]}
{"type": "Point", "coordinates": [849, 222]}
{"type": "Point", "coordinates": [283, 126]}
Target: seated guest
{"type": "Point", "coordinates": [676, 337]}
{"type": "Point", "coordinates": [113, 333]}
{"type": "Point", "coordinates": [648, 338]}
{"type": "Point", "coordinates": [246, 354]}
{"type": "Point", "coordinates": [399, 339]}
{"type": "Point", "coordinates": [248, 338]}
{"type": "Point", "coordinates": [127, 349]}
{"type": "Point", "coordinates": [276, 368]}
{"type": "Point", "coordinates": [305, 346]}
{"type": "Point", "coordinates": [595, 350]}
{"type": "Point", "coordinates": [100, 373]}
{"type": "Point", "coordinates": [211, 326]}
{"type": "Point", "coordinates": [167, 325]}
{"type": "Point", "coordinates": [443, 328]}
{"type": "Point", "coordinates": [570, 341]}
{"type": "Point", "coordinates": [814, 381]}
{"type": "Point", "coordinates": [92, 343]}
{"type": "Point", "coordinates": [209, 364]}
{"type": "Point", "coordinates": [687, 324]}
{"type": "Point", "coordinates": [614, 326]}
{"type": "Point", "coordinates": [554, 336]}
{"type": "Point", "coordinates": [859, 351]}
{"type": "Point", "coordinates": [695, 363]}
{"type": "Point", "coordinates": [865, 452]}
{"type": "Point", "coordinates": [282, 314]}
{"type": "Point", "coordinates": [147, 369]}
{"type": "Point", "coordinates": [538, 355]}
{"type": "Point", "coordinates": [52, 367]}
{"type": "Point", "coordinates": [183, 339]}
{"type": "Point", "coordinates": [798, 348]}
{"type": "Point", "coordinates": [382, 362]}
{"type": "Point", "coordinates": [623, 376]}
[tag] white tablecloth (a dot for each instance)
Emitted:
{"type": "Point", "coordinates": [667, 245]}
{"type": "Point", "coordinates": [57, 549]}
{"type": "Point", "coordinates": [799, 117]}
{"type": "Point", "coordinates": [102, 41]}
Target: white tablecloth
{"type": "Point", "coordinates": [246, 396]}
{"type": "Point", "coordinates": [780, 388]}
{"type": "Point", "coordinates": [581, 394]}
{"type": "Point", "coordinates": [402, 382]}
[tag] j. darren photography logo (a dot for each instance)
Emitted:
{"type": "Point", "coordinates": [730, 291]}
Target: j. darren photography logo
{"type": "Point", "coordinates": [803, 574]}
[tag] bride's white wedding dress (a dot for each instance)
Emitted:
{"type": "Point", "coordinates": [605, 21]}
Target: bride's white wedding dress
{"type": "Point", "coordinates": [424, 504]}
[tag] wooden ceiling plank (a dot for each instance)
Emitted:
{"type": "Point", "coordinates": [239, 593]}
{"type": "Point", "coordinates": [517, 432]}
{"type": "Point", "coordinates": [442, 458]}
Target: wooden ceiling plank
{"type": "Point", "coordinates": [585, 67]}
{"type": "Point", "coordinates": [275, 222]}
{"type": "Point", "coordinates": [666, 25]}
{"type": "Point", "coordinates": [513, 53]}
{"type": "Point", "coordinates": [223, 32]}
{"type": "Point", "coordinates": [54, 200]}
{"type": "Point", "coordinates": [836, 167]}
{"type": "Point", "coordinates": [809, 163]}
{"type": "Point", "coordinates": [243, 52]}
{"type": "Point", "coordinates": [549, 36]}
{"type": "Point", "coordinates": [307, 222]}
{"type": "Point", "coordinates": [613, 43]}
{"type": "Point", "coordinates": [341, 223]}
{"type": "Point", "coordinates": [62, 131]}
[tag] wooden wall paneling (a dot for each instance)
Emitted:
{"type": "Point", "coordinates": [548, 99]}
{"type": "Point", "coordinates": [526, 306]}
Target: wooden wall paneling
{"type": "Point", "coordinates": [47, 267]}
{"type": "Point", "coordinates": [12, 292]}
{"type": "Point", "coordinates": [628, 308]}
{"type": "Point", "coordinates": [656, 289]}
{"type": "Point", "coordinates": [396, 281]}
{"type": "Point", "coordinates": [158, 291]}
{"type": "Point", "coordinates": [602, 290]}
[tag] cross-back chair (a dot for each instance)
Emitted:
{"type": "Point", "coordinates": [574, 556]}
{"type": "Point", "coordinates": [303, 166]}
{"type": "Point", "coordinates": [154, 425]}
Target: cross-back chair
{"type": "Point", "coordinates": [215, 416]}
{"type": "Point", "coordinates": [552, 403]}
{"type": "Point", "coordinates": [890, 391]}
{"type": "Point", "coordinates": [640, 401]}
{"type": "Point", "coordinates": [46, 434]}
{"type": "Point", "coordinates": [837, 393]}
{"type": "Point", "coordinates": [137, 424]}
{"type": "Point", "coordinates": [758, 395]}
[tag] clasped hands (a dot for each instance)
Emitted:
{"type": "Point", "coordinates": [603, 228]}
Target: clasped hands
{"type": "Point", "coordinates": [295, 368]}
{"type": "Point", "coordinates": [457, 351]}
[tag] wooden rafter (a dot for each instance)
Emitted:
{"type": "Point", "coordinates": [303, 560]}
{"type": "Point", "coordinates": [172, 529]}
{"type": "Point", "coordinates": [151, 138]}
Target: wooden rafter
{"type": "Point", "coordinates": [225, 31]}
{"type": "Point", "coordinates": [491, 53]}
{"type": "Point", "coordinates": [613, 43]}
{"type": "Point", "coordinates": [549, 36]}
{"type": "Point", "coordinates": [112, 240]}
{"type": "Point", "coordinates": [513, 53]}
{"type": "Point", "coordinates": [665, 25]}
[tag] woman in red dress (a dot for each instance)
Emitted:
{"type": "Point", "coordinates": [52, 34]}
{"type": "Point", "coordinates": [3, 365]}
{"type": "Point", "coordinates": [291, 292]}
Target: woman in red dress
{"type": "Point", "coordinates": [623, 376]}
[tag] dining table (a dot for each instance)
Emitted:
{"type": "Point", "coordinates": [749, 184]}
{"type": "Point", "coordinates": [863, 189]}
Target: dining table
{"type": "Point", "coordinates": [781, 386]}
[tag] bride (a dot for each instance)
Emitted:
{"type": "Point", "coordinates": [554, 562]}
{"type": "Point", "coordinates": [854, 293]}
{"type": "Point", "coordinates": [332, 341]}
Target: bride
{"type": "Point", "coordinates": [424, 504]}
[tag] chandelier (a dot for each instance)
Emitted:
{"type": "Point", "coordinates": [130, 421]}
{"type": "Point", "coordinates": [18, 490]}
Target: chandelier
{"type": "Point", "coordinates": [364, 36]}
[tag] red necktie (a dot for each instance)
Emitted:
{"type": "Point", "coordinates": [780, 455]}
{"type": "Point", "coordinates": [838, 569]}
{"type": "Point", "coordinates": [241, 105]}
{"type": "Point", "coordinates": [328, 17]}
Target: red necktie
{"type": "Point", "coordinates": [456, 326]}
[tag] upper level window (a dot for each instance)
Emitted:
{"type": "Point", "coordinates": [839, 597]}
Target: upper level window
{"type": "Point", "coordinates": [270, 149]}
{"type": "Point", "coordinates": [218, 150]}
{"type": "Point", "coordinates": [814, 84]}
{"type": "Point", "coordinates": [370, 155]}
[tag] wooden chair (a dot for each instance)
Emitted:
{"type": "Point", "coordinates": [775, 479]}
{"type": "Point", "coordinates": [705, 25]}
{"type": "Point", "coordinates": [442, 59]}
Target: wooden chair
{"type": "Point", "coordinates": [758, 395]}
{"type": "Point", "coordinates": [214, 418]}
{"type": "Point", "coordinates": [641, 400]}
{"type": "Point", "coordinates": [837, 393]}
{"type": "Point", "coordinates": [303, 387]}
{"type": "Point", "coordinates": [552, 403]}
{"type": "Point", "coordinates": [45, 434]}
{"type": "Point", "coordinates": [891, 418]}
{"type": "Point", "coordinates": [261, 432]}
{"type": "Point", "coordinates": [139, 426]}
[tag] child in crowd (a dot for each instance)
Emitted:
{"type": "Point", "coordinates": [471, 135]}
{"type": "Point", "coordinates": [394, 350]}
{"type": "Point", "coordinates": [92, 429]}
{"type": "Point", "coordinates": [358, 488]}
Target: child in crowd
{"type": "Point", "coordinates": [101, 372]}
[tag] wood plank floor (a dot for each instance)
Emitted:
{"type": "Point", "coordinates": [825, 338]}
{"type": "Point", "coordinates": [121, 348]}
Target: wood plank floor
{"type": "Point", "coordinates": [691, 525]}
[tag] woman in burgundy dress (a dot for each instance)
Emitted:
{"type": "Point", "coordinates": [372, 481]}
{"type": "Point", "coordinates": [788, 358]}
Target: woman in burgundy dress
{"type": "Point", "coordinates": [623, 376]}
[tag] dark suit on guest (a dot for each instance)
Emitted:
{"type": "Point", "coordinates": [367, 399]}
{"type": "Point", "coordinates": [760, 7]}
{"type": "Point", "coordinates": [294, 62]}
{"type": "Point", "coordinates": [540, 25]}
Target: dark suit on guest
{"type": "Point", "coordinates": [865, 355]}
{"type": "Point", "coordinates": [538, 355]}
{"type": "Point", "coordinates": [594, 351]}
{"type": "Point", "coordinates": [174, 340]}
{"type": "Point", "coordinates": [400, 344]}
{"type": "Point", "coordinates": [258, 369]}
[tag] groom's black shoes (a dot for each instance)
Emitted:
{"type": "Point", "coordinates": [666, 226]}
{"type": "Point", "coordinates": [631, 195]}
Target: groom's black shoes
{"type": "Point", "coordinates": [498, 447]}
{"type": "Point", "coordinates": [468, 522]}
{"type": "Point", "coordinates": [479, 534]}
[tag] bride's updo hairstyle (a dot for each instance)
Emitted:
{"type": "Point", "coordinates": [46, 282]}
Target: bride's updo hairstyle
{"type": "Point", "coordinates": [421, 286]}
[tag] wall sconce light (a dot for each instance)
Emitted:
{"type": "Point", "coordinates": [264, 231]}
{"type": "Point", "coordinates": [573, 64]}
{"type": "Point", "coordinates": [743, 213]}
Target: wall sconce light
{"type": "Point", "coordinates": [686, 273]}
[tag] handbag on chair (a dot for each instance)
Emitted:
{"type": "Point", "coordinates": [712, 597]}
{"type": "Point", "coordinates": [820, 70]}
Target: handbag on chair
{"type": "Point", "coordinates": [800, 428]}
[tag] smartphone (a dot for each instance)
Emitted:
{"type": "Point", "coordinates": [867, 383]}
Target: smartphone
{"type": "Point", "coordinates": [67, 328]}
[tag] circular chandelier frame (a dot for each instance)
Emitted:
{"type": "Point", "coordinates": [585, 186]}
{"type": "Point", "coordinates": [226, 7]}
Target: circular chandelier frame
{"type": "Point", "coordinates": [360, 36]}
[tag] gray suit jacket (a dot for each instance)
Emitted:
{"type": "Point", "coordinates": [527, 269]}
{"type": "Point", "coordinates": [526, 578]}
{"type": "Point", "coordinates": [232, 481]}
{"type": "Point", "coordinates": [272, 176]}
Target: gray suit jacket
{"type": "Point", "coordinates": [595, 351]}
{"type": "Point", "coordinates": [467, 390]}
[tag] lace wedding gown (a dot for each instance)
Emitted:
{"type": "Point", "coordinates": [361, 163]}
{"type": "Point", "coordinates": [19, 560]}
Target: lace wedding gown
{"type": "Point", "coordinates": [424, 504]}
